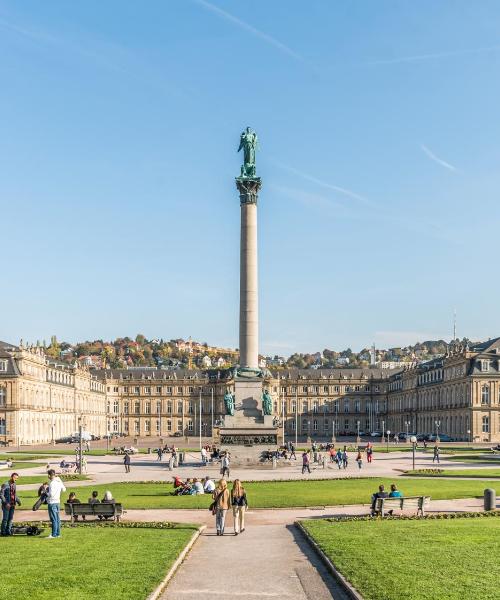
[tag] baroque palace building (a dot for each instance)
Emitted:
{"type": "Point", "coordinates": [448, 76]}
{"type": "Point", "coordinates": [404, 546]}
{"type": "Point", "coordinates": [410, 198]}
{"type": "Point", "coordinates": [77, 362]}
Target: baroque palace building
{"type": "Point", "coordinates": [457, 394]}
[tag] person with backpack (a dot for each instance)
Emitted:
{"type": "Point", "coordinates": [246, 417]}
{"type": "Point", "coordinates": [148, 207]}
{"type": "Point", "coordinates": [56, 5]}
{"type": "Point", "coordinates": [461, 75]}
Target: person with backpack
{"type": "Point", "coordinates": [220, 505]}
{"type": "Point", "coordinates": [240, 504]}
{"type": "Point", "coordinates": [9, 498]}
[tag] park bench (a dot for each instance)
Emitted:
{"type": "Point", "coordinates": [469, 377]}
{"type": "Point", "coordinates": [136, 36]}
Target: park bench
{"type": "Point", "coordinates": [418, 503]}
{"type": "Point", "coordinates": [102, 509]}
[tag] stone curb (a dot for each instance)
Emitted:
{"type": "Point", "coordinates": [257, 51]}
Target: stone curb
{"type": "Point", "coordinates": [161, 587]}
{"type": "Point", "coordinates": [349, 590]}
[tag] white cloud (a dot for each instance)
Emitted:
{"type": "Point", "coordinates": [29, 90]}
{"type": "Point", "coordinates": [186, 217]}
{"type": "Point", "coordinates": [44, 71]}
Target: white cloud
{"type": "Point", "coordinates": [253, 30]}
{"type": "Point", "coordinates": [436, 159]}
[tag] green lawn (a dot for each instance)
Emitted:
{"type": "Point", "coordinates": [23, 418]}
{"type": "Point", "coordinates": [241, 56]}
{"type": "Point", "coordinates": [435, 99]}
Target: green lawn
{"type": "Point", "coordinates": [281, 494]}
{"type": "Point", "coordinates": [414, 559]}
{"type": "Point", "coordinates": [91, 562]}
{"type": "Point", "coordinates": [23, 456]}
{"type": "Point", "coordinates": [16, 466]}
{"type": "Point", "coordinates": [41, 478]}
{"type": "Point", "coordinates": [471, 458]}
{"type": "Point", "coordinates": [458, 473]}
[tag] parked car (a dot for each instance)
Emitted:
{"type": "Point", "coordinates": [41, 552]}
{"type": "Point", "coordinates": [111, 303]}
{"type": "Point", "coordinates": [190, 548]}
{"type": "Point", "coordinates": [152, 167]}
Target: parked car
{"type": "Point", "coordinates": [375, 434]}
{"type": "Point", "coordinates": [443, 437]}
{"type": "Point", "coordinates": [68, 439]}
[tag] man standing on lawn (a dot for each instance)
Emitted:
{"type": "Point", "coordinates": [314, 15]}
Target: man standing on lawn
{"type": "Point", "coordinates": [9, 500]}
{"type": "Point", "coordinates": [56, 486]}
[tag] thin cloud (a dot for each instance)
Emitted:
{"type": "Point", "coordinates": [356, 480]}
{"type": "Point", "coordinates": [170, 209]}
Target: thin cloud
{"type": "Point", "coordinates": [251, 29]}
{"type": "Point", "coordinates": [436, 159]}
{"type": "Point", "coordinates": [325, 184]}
{"type": "Point", "coordinates": [431, 56]}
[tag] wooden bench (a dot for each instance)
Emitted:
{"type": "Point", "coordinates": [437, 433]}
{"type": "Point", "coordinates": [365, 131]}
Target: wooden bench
{"type": "Point", "coordinates": [418, 503]}
{"type": "Point", "coordinates": [99, 509]}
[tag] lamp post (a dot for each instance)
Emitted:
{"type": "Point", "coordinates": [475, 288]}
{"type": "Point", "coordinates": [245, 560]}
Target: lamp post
{"type": "Point", "coordinates": [413, 441]}
{"type": "Point", "coordinates": [383, 431]}
{"type": "Point", "coordinates": [358, 439]}
{"type": "Point", "coordinates": [468, 437]}
{"type": "Point", "coordinates": [212, 416]}
{"type": "Point", "coordinates": [438, 424]}
{"type": "Point", "coordinates": [407, 423]}
{"type": "Point", "coordinates": [387, 440]}
{"type": "Point", "coordinates": [333, 431]}
{"type": "Point", "coordinates": [80, 444]}
{"type": "Point", "coordinates": [199, 427]}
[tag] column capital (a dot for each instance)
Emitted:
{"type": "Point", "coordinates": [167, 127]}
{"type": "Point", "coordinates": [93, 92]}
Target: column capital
{"type": "Point", "coordinates": [249, 188]}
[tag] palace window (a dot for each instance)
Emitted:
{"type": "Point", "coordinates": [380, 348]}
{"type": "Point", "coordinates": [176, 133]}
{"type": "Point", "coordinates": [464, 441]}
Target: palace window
{"type": "Point", "coordinates": [116, 408]}
{"type": "Point", "coordinates": [304, 424]}
{"type": "Point", "coordinates": [293, 425]}
{"type": "Point", "coordinates": [147, 390]}
{"type": "Point", "coordinates": [137, 408]}
{"type": "Point", "coordinates": [179, 390]}
{"type": "Point", "coordinates": [169, 406]}
{"type": "Point", "coordinates": [191, 408]}
{"type": "Point", "coordinates": [147, 408]}
{"type": "Point", "coordinates": [126, 426]}
{"type": "Point", "coordinates": [136, 426]}
{"type": "Point", "coordinates": [294, 406]}
{"type": "Point", "coordinates": [125, 390]}
{"type": "Point", "coordinates": [346, 406]}
{"type": "Point", "coordinates": [486, 424]}
{"type": "Point", "coordinates": [169, 425]}
{"type": "Point", "coordinates": [158, 406]}
{"type": "Point", "coordinates": [147, 425]}
{"type": "Point", "coordinates": [125, 407]}
{"type": "Point", "coordinates": [304, 406]}
{"type": "Point", "coordinates": [304, 389]}
{"type": "Point", "coordinates": [485, 394]}
{"type": "Point", "coordinates": [325, 424]}
{"type": "Point", "coordinates": [190, 390]}
{"type": "Point", "coordinates": [136, 390]}
{"type": "Point", "coordinates": [169, 390]}
{"type": "Point", "coordinates": [315, 406]}
{"type": "Point", "coordinates": [158, 389]}
{"type": "Point", "coordinates": [357, 406]}
{"type": "Point", "coordinates": [3, 397]}
{"type": "Point", "coordinates": [157, 425]}
{"type": "Point", "coordinates": [485, 365]}
{"type": "Point", "coordinates": [179, 425]}
{"type": "Point", "coordinates": [179, 406]}
{"type": "Point", "coordinates": [190, 425]}
{"type": "Point", "coordinates": [346, 424]}
{"type": "Point", "coordinates": [315, 425]}
{"type": "Point", "coordinates": [325, 389]}
{"type": "Point", "coordinates": [3, 427]}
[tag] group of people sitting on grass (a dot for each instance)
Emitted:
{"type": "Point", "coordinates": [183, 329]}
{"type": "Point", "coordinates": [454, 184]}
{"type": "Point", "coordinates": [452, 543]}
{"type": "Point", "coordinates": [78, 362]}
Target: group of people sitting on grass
{"type": "Point", "coordinates": [394, 493]}
{"type": "Point", "coordinates": [193, 487]}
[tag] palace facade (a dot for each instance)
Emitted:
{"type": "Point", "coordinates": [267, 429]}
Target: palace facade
{"type": "Point", "coordinates": [457, 394]}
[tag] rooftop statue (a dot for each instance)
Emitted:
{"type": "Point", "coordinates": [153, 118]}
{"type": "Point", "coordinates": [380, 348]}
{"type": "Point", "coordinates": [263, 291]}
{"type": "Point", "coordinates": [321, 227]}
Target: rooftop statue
{"type": "Point", "coordinates": [248, 142]}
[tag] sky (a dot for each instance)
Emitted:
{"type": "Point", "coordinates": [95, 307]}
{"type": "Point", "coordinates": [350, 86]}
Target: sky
{"type": "Point", "coordinates": [379, 156]}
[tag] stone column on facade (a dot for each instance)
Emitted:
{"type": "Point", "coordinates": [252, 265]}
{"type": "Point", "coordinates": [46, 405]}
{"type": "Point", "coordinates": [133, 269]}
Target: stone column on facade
{"type": "Point", "coordinates": [249, 302]}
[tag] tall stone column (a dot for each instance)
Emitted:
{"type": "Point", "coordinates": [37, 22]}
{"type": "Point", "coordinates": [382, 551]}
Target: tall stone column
{"type": "Point", "coordinates": [248, 188]}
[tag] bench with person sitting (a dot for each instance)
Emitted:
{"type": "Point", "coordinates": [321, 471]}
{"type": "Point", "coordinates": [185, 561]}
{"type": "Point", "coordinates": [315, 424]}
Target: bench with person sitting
{"type": "Point", "coordinates": [384, 504]}
{"type": "Point", "coordinates": [105, 509]}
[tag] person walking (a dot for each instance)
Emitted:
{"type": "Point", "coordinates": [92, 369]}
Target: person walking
{"type": "Point", "coordinates": [204, 456]}
{"type": "Point", "coordinates": [126, 462]}
{"type": "Point", "coordinates": [306, 462]}
{"type": "Point", "coordinates": [56, 486]}
{"type": "Point", "coordinates": [221, 505]}
{"type": "Point", "coordinates": [160, 453]}
{"type": "Point", "coordinates": [292, 452]}
{"type": "Point", "coordinates": [338, 458]}
{"type": "Point", "coordinates": [9, 499]}
{"type": "Point", "coordinates": [369, 453]}
{"type": "Point", "coordinates": [239, 504]}
{"type": "Point", "coordinates": [225, 465]}
{"type": "Point", "coordinates": [435, 457]}
{"type": "Point", "coordinates": [344, 458]}
{"type": "Point", "coordinates": [359, 459]}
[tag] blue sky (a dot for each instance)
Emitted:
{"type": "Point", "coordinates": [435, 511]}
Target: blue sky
{"type": "Point", "coordinates": [379, 154]}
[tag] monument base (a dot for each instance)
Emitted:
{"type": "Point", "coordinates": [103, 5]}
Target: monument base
{"type": "Point", "coordinates": [249, 432]}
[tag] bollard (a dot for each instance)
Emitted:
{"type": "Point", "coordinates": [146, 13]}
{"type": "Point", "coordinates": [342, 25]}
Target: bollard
{"type": "Point", "coordinates": [274, 462]}
{"type": "Point", "coordinates": [489, 499]}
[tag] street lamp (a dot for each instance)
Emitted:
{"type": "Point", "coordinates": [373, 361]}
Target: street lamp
{"type": "Point", "coordinates": [333, 431]}
{"type": "Point", "coordinates": [468, 437]}
{"type": "Point", "coordinates": [358, 439]}
{"type": "Point", "coordinates": [407, 423]}
{"type": "Point", "coordinates": [413, 441]}
{"type": "Point", "coordinates": [383, 431]}
{"type": "Point", "coordinates": [80, 444]}
{"type": "Point", "coordinates": [387, 439]}
{"type": "Point", "coordinates": [438, 424]}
